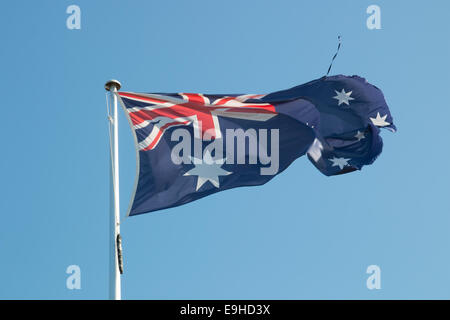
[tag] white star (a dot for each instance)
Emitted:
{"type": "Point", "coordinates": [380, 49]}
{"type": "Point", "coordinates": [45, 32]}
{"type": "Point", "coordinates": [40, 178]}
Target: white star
{"type": "Point", "coordinates": [341, 162]}
{"type": "Point", "coordinates": [380, 121]}
{"type": "Point", "coordinates": [315, 151]}
{"type": "Point", "coordinates": [207, 169]}
{"type": "Point", "coordinates": [343, 97]}
{"type": "Point", "coordinates": [359, 135]}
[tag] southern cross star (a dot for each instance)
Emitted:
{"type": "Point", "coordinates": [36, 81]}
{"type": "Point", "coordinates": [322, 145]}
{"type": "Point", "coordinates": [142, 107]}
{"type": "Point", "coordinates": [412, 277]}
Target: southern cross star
{"type": "Point", "coordinates": [359, 135]}
{"type": "Point", "coordinates": [339, 162]}
{"type": "Point", "coordinates": [343, 97]}
{"type": "Point", "coordinates": [207, 169]}
{"type": "Point", "coordinates": [380, 121]}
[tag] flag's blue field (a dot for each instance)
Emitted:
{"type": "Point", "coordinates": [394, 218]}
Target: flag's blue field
{"type": "Point", "coordinates": [302, 235]}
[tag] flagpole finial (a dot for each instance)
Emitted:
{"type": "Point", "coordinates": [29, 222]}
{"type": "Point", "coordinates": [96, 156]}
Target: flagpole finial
{"type": "Point", "coordinates": [112, 83]}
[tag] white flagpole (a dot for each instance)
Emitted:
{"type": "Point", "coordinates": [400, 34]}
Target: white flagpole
{"type": "Point", "coordinates": [114, 272]}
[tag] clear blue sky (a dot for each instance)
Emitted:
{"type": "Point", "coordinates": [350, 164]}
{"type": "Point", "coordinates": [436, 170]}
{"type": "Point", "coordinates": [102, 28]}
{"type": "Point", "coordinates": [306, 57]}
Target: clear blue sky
{"type": "Point", "coordinates": [303, 235]}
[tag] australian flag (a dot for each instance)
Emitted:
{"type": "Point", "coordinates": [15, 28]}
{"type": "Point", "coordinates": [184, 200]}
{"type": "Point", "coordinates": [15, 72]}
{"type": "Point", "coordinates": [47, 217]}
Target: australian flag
{"type": "Point", "coordinates": [190, 145]}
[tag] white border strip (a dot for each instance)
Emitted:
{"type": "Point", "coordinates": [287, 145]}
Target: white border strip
{"type": "Point", "coordinates": [136, 147]}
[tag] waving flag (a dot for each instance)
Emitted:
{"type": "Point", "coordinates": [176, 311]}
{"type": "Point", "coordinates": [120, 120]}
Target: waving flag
{"type": "Point", "coordinates": [191, 145]}
{"type": "Point", "coordinates": [352, 111]}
